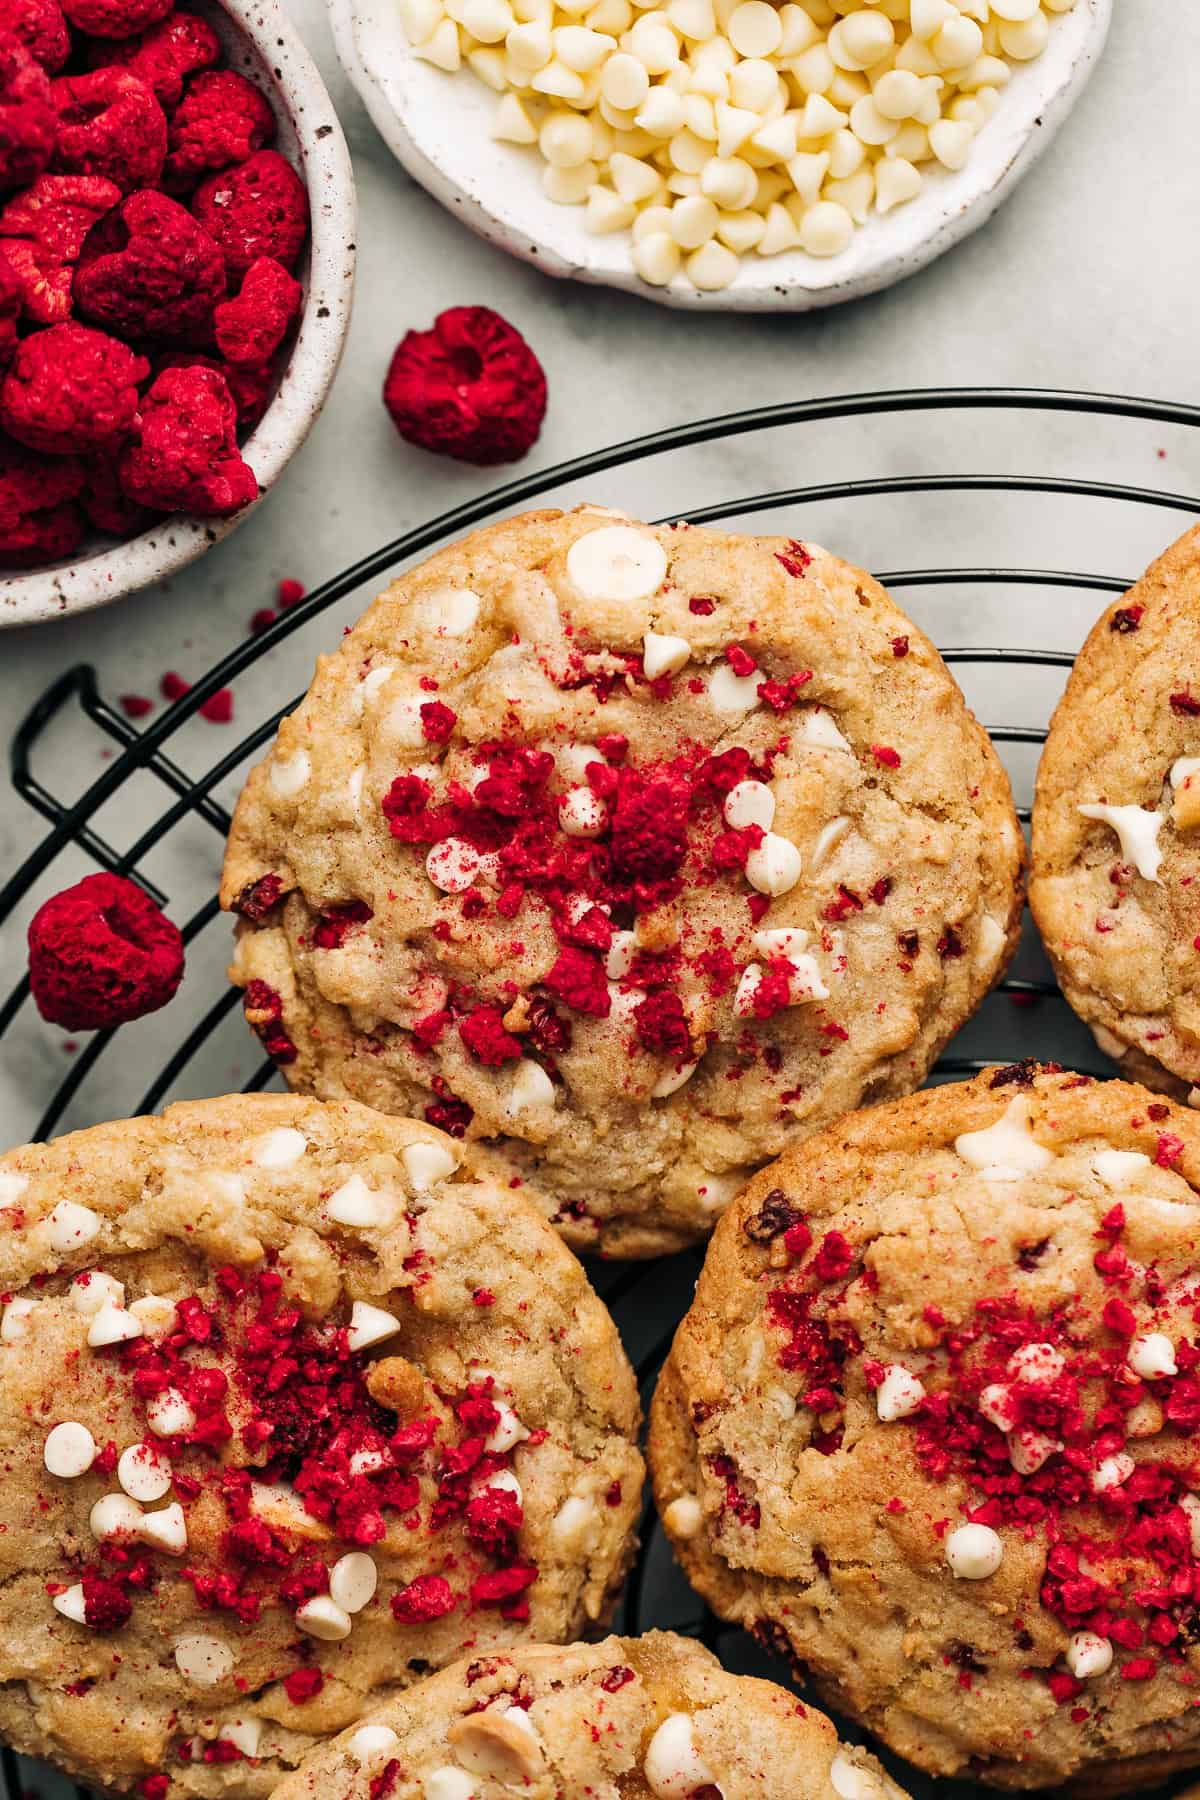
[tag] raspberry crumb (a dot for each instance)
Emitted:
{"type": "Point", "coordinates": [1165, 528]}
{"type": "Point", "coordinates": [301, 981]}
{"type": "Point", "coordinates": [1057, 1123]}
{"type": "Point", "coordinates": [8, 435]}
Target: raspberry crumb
{"type": "Point", "coordinates": [303, 1684]}
{"type": "Point", "coordinates": [136, 706]}
{"type": "Point", "coordinates": [885, 756]}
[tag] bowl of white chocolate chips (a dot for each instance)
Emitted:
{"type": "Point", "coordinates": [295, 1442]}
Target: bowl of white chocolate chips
{"type": "Point", "coordinates": [741, 154]}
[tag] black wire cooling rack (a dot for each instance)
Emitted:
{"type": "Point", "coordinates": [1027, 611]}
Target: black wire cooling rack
{"type": "Point", "coordinates": [1054, 542]}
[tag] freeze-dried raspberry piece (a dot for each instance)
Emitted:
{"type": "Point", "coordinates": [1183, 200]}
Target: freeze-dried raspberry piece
{"type": "Point", "coordinates": [186, 457]}
{"type": "Point", "coordinates": [470, 388]}
{"type": "Point", "coordinates": [115, 18]}
{"type": "Point", "coordinates": [149, 269]}
{"type": "Point", "coordinates": [12, 295]}
{"type": "Point", "coordinates": [110, 124]}
{"type": "Point", "coordinates": [106, 506]}
{"type": "Point", "coordinates": [251, 384]}
{"type": "Point", "coordinates": [43, 231]}
{"type": "Point", "coordinates": [164, 56]}
{"type": "Point", "coordinates": [100, 953]}
{"type": "Point", "coordinates": [39, 520]}
{"type": "Point", "coordinates": [222, 119]}
{"type": "Point", "coordinates": [41, 27]}
{"type": "Point", "coordinates": [251, 328]}
{"type": "Point", "coordinates": [28, 120]}
{"type": "Point", "coordinates": [71, 389]}
{"type": "Point", "coordinates": [258, 209]}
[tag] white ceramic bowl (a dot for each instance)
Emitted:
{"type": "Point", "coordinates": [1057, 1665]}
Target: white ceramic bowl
{"type": "Point", "coordinates": [439, 126]}
{"type": "Point", "coordinates": [261, 43]}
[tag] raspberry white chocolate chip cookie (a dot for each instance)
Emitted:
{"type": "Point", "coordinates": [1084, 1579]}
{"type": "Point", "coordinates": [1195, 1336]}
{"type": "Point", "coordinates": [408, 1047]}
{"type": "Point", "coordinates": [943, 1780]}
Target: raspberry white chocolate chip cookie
{"type": "Point", "coordinates": [1116, 828]}
{"type": "Point", "coordinates": [931, 1427]}
{"type": "Point", "coordinates": [321, 1457]}
{"type": "Point", "coordinates": [654, 1716]}
{"type": "Point", "coordinates": [670, 848]}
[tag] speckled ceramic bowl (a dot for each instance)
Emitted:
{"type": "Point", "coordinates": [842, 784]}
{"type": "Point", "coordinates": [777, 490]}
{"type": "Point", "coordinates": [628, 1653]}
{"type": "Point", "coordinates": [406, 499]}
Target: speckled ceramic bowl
{"type": "Point", "coordinates": [259, 41]}
{"type": "Point", "coordinates": [439, 126]}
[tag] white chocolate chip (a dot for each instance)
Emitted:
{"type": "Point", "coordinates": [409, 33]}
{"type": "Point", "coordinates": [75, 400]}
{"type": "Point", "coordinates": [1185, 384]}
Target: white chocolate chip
{"type": "Point", "coordinates": [154, 1314]}
{"type": "Point", "coordinates": [581, 813]}
{"type": "Point", "coordinates": [1152, 1356]}
{"type": "Point", "coordinates": [359, 1207]}
{"type": "Point", "coordinates": [15, 1323]}
{"type": "Point", "coordinates": [500, 1744]}
{"type": "Point", "coordinates": [280, 1149]}
{"type": "Point", "coordinates": [1191, 1506]}
{"type": "Point", "coordinates": [996, 1403]}
{"type": "Point", "coordinates": [827, 840]}
{"type": "Point", "coordinates": [204, 1661]}
{"type": "Point", "coordinates": [448, 1783]}
{"type": "Point", "coordinates": [404, 724]}
{"type": "Point", "coordinates": [899, 1394]}
{"type": "Point", "coordinates": [71, 1605]}
{"type": "Point", "coordinates": [244, 1734]}
{"type": "Point", "coordinates": [1028, 1450]}
{"type": "Point", "coordinates": [507, 1432]}
{"type": "Point", "coordinates": [1088, 1655]}
{"type": "Point", "coordinates": [1118, 1168]}
{"type": "Point", "coordinates": [169, 1415]}
{"type": "Point", "coordinates": [426, 1163]}
{"type": "Point", "coordinates": [781, 940]}
{"type": "Point", "coordinates": [663, 654]}
{"type": "Point", "coordinates": [321, 1617]}
{"type": "Point", "coordinates": [166, 1529]}
{"type": "Point", "coordinates": [617, 562]}
{"type": "Point", "coordinates": [290, 774]}
{"type": "Point", "coordinates": [113, 1325]}
{"type": "Point", "coordinates": [452, 865]}
{"type": "Point", "coordinates": [70, 1226]}
{"type": "Point", "coordinates": [353, 1580]}
{"type": "Point", "coordinates": [1008, 1149]}
{"type": "Point", "coordinates": [370, 1325]}
{"type": "Point", "coordinates": [673, 1080]}
{"type": "Point", "coordinates": [69, 1450]}
{"type": "Point", "coordinates": [116, 1518]}
{"type": "Point", "coordinates": [974, 1552]}
{"type": "Point", "coordinates": [368, 1462]}
{"type": "Point", "coordinates": [573, 1524]}
{"type": "Point", "coordinates": [531, 1087]}
{"type": "Point", "coordinates": [1183, 769]}
{"type": "Point", "coordinates": [12, 1186]}
{"type": "Point", "coordinates": [852, 1782]}
{"type": "Point", "coordinates": [816, 728]}
{"type": "Point", "coordinates": [370, 686]}
{"type": "Point", "coordinates": [733, 696]}
{"type": "Point", "coordinates": [749, 803]}
{"type": "Point", "coordinates": [621, 954]}
{"type": "Point", "coordinates": [1036, 1362]}
{"type": "Point", "coordinates": [1137, 829]}
{"type": "Point", "coordinates": [1112, 1472]}
{"type": "Point", "coordinates": [673, 1767]}
{"type": "Point", "coordinates": [371, 1743]}
{"type": "Point", "coordinates": [748, 985]}
{"type": "Point", "coordinates": [455, 610]}
{"type": "Point", "coordinates": [683, 1517]}
{"type": "Point", "coordinates": [574, 761]}
{"type": "Point", "coordinates": [143, 1473]}
{"type": "Point", "coordinates": [93, 1289]}
{"type": "Point", "coordinates": [1145, 1420]}
{"type": "Point", "coordinates": [774, 866]}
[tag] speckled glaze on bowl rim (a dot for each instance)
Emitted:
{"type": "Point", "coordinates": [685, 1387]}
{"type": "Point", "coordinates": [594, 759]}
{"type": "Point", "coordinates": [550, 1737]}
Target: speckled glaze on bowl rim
{"type": "Point", "coordinates": [261, 42]}
{"type": "Point", "coordinates": [438, 126]}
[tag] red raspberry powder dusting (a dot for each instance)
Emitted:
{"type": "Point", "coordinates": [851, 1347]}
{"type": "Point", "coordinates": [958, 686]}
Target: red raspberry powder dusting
{"type": "Point", "coordinates": [470, 388]}
{"type": "Point", "coordinates": [101, 953]}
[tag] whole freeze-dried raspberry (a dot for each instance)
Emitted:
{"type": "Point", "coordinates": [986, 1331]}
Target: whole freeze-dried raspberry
{"type": "Point", "coordinates": [258, 209]}
{"type": "Point", "coordinates": [470, 388]}
{"type": "Point", "coordinates": [185, 457]}
{"type": "Point", "coordinates": [28, 120]}
{"type": "Point", "coordinates": [101, 953]}
{"type": "Point", "coordinates": [222, 119]}
{"type": "Point", "coordinates": [42, 232]}
{"type": "Point", "coordinates": [39, 520]}
{"type": "Point", "coordinates": [251, 384]}
{"type": "Point", "coordinates": [110, 124]}
{"type": "Point", "coordinates": [164, 56]}
{"type": "Point", "coordinates": [71, 389]}
{"type": "Point", "coordinates": [42, 29]}
{"type": "Point", "coordinates": [107, 508]}
{"type": "Point", "coordinates": [115, 18]}
{"type": "Point", "coordinates": [251, 328]}
{"type": "Point", "coordinates": [149, 270]}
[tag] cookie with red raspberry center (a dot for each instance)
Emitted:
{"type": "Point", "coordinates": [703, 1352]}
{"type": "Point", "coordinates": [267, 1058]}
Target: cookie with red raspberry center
{"type": "Point", "coordinates": [667, 847]}
{"type": "Point", "coordinates": [655, 1715]}
{"type": "Point", "coordinates": [1115, 886]}
{"type": "Point", "coordinates": [298, 1405]}
{"type": "Point", "coordinates": [930, 1427]}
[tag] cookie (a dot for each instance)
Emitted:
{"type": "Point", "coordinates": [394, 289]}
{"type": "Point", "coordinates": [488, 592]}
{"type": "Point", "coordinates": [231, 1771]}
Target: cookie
{"type": "Point", "coordinates": [1115, 887]}
{"type": "Point", "coordinates": [630, 1717]}
{"type": "Point", "coordinates": [930, 1427]}
{"type": "Point", "coordinates": [296, 1407]}
{"type": "Point", "coordinates": [631, 854]}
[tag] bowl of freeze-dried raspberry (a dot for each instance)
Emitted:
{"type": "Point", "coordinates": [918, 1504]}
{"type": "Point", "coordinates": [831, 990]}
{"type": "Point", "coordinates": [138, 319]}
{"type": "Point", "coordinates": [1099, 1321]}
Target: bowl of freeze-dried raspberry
{"type": "Point", "coordinates": [177, 220]}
